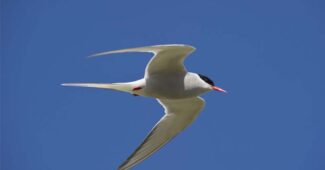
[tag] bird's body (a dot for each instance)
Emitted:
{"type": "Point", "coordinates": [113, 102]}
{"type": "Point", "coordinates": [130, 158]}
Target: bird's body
{"type": "Point", "coordinates": [176, 86]}
{"type": "Point", "coordinates": [177, 90]}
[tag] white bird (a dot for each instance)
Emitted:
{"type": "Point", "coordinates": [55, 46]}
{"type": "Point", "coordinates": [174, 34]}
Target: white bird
{"type": "Point", "coordinates": [177, 90]}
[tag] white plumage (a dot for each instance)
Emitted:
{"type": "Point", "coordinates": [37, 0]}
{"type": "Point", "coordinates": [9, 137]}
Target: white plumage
{"type": "Point", "coordinates": [176, 90]}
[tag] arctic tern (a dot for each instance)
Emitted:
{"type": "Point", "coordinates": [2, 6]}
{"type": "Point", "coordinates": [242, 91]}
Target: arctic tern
{"type": "Point", "coordinates": [176, 89]}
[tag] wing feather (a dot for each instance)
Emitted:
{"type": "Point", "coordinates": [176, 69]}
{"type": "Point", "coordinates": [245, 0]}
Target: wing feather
{"type": "Point", "coordinates": [178, 115]}
{"type": "Point", "coordinates": [167, 58]}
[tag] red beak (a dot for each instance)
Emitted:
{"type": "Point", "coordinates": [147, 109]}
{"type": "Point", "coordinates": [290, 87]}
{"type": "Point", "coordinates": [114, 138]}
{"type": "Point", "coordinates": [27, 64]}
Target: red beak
{"type": "Point", "coordinates": [218, 89]}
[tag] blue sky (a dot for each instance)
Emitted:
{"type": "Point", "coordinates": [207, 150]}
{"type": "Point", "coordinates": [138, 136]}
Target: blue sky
{"type": "Point", "coordinates": [269, 55]}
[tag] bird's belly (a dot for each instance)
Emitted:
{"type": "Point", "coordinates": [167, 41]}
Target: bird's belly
{"type": "Point", "coordinates": [174, 94]}
{"type": "Point", "coordinates": [172, 88]}
{"type": "Point", "coordinates": [166, 93]}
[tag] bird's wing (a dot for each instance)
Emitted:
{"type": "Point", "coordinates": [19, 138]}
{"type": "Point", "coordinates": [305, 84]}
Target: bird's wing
{"type": "Point", "coordinates": [166, 59]}
{"type": "Point", "coordinates": [178, 115]}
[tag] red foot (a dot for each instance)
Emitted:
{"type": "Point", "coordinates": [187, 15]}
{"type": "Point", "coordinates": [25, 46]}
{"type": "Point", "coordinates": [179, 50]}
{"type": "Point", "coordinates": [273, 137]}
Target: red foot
{"type": "Point", "coordinates": [137, 88]}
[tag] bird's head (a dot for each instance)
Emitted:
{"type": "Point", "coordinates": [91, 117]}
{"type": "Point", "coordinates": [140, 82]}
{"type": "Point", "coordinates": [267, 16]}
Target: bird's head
{"type": "Point", "coordinates": [211, 83]}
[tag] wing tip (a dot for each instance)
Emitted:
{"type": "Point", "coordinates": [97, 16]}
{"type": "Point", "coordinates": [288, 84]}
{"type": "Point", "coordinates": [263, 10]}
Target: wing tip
{"type": "Point", "coordinates": [191, 48]}
{"type": "Point", "coordinates": [98, 54]}
{"type": "Point", "coordinates": [68, 84]}
{"type": "Point", "coordinates": [91, 56]}
{"type": "Point", "coordinates": [74, 84]}
{"type": "Point", "coordinates": [125, 165]}
{"type": "Point", "coordinates": [121, 167]}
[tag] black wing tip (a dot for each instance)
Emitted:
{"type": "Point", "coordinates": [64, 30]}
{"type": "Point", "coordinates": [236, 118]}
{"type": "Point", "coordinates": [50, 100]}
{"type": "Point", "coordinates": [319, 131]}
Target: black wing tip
{"type": "Point", "coordinates": [121, 167]}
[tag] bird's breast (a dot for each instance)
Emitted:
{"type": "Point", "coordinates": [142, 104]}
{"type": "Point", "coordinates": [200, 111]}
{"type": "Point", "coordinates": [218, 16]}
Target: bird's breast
{"type": "Point", "coordinates": [171, 87]}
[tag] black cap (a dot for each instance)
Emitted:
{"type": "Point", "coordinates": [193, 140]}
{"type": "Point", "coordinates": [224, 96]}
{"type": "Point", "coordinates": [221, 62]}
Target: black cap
{"type": "Point", "coordinates": [206, 79]}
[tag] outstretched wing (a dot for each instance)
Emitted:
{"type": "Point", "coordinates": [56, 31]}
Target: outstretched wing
{"type": "Point", "coordinates": [178, 115]}
{"type": "Point", "coordinates": [167, 58]}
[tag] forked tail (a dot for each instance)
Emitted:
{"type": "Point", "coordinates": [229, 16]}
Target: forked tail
{"type": "Point", "coordinates": [126, 87]}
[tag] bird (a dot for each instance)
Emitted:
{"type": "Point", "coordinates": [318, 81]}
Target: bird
{"type": "Point", "coordinates": [176, 90]}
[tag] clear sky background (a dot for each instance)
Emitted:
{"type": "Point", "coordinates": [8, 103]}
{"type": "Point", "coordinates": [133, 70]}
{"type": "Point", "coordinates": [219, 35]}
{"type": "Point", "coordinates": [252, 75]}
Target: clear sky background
{"type": "Point", "coordinates": [269, 55]}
